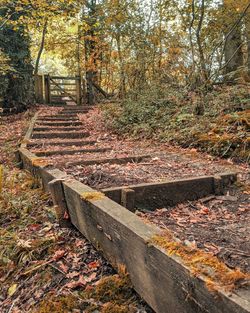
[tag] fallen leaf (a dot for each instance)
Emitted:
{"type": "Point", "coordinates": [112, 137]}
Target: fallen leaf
{"type": "Point", "coordinates": [94, 265]}
{"type": "Point", "coordinates": [63, 267]}
{"type": "Point", "coordinates": [66, 215]}
{"type": "Point", "coordinates": [12, 290]}
{"type": "Point", "coordinates": [72, 274]}
{"type": "Point", "coordinates": [58, 255]}
{"type": "Point", "coordinates": [91, 277]}
{"type": "Point", "coordinates": [34, 227]}
{"type": "Point", "coordinates": [76, 283]}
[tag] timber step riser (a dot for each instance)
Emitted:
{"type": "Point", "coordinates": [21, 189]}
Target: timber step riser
{"type": "Point", "coordinates": [44, 129]}
{"type": "Point", "coordinates": [55, 119]}
{"type": "Point", "coordinates": [77, 108]}
{"type": "Point", "coordinates": [67, 135]}
{"type": "Point", "coordinates": [70, 152]}
{"type": "Point", "coordinates": [134, 159]}
{"type": "Point", "coordinates": [63, 118]}
{"type": "Point", "coordinates": [151, 196]}
{"type": "Point", "coordinates": [74, 112]}
{"type": "Point", "coordinates": [62, 124]}
{"type": "Point", "coordinates": [61, 143]}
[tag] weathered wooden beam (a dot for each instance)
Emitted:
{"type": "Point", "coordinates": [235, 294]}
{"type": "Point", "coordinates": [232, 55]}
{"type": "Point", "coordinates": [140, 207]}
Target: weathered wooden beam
{"type": "Point", "coordinates": [152, 196]}
{"type": "Point", "coordinates": [128, 199]}
{"type": "Point", "coordinates": [75, 107]}
{"type": "Point", "coordinates": [55, 123]}
{"type": "Point", "coordinates": [47, 89]}
{"type": "Point", "coordinates": [165, 283]}
{"type": "Point", "coordinates": [39, 88]}
{"type": "Point", "coordinates": [62, 118]}
{"type": "Point", "coordinates": [59, 115]}
{"type": "Point", "coordinates": [80, 111]}
{"type": "Point", "coordinates": [71, 152]}
{"type": "Point", "coordinates": [40, 135]}
{"type": "Point", "coordinates": [28, 134]}
{"type": "Point", "coordinates": [78, 92]}
{"type": "Point", "coordinates": [137, 158]}
{"type": "Point", "coordinates": [61, 143]}
{"type": "Point", "coordinates": [57, 194]}
{"type": "Point", "coordinates": [56, 128]}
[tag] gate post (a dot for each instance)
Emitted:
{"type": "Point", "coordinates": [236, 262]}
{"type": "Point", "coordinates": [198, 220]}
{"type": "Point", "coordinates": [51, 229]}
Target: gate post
{"type": "Point", "coordinates": [47, 89]}
{"type": "Point", "coordinates": [78, 91]}
{"type": "Point", "coordinates": [39, 88]}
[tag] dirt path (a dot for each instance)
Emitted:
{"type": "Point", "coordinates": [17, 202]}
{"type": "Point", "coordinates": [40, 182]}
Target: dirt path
{"type": "Point", "coordinates": [50, 264]}
{"type": "Point", "coordinates": [218, 225]}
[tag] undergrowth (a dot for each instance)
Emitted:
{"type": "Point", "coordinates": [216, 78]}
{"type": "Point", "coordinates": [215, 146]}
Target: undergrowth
{"type": "Point", "coordinates": [217, 122]}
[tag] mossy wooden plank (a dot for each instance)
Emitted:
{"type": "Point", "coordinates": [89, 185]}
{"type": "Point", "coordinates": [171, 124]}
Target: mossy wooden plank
{"type": "Point", "coordinates": [162, 280]}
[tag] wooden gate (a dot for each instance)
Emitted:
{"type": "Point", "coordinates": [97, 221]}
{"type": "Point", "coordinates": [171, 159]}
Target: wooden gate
{"type": "Point", "coordinates": [61, 90]}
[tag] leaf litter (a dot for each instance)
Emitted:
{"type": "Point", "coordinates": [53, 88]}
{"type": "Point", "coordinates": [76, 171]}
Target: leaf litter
{"type": "Point", "coordinates": [44, 268]}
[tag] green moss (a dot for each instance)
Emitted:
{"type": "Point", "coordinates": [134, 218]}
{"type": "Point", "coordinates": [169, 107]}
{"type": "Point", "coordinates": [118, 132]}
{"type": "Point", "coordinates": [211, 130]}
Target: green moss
{"type": "Point", "coordinates": [62, 304]}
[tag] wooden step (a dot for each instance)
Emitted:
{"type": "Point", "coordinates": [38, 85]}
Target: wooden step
{"type": "Point", "coordinates": [73, 112]}
{"type": "Point", "coordinates": [122, 160]}
{"type": "Point", "coordinates": [61, 143]}
{"type": "Point", "coordinates": [65, 124]}
{"type": "Point", "coordinates": [69, 135]}
{"type": "Point", "coordinates": [71, 152]}
{"type": "Point", "coordinates": [62, 119]}
{"type": "Point", "coordinates": [56, 128]}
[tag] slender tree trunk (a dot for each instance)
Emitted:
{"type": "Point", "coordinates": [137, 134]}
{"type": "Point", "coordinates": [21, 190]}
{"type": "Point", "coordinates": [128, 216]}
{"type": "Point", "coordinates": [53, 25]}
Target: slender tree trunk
{"type": "Point", "coordinates": [247, 24]}
{"type": "Point", "coordinates": [90, 47]}
{"type": "Point", "coordinates": [233, 53]}
{"type": "Point", "coordinates": [122, 86]}
{"type": "Point", "coordinates": [160, 38]}
{"type": "Point", "coordinates": [201, 52]}
{"type": "Point", "coordinates": [190, 28]}
{"type": "Point", "coordinates": [45, 26]}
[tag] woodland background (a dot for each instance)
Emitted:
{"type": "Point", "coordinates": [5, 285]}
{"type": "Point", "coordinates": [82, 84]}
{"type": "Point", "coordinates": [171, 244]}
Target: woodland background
{"type": "Point", "coordinates": [172, 69]}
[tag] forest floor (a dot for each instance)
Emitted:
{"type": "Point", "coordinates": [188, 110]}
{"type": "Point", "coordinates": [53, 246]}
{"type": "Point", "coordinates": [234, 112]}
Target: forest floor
{"type": "Point", "coordinates": [44, 268]}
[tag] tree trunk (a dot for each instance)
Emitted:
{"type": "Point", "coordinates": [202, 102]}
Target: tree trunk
{"type": "Point", "coordinates": [233, 53]}
{"type": "Point", "coordinates": [122, 87]}
{"type": "Point", "coordinates": [90, 49]}
{"type": "Point", "coordinates": [247, 24]}
{"type": "Point", "coordinates": [41, 47]}
{"type": "Point", "coordinates": [200, 48]}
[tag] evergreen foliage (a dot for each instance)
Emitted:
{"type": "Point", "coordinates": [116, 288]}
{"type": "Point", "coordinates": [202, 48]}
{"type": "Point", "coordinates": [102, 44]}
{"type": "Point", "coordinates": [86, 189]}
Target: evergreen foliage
{"type": "Point", "coordinates": [16, 82]}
